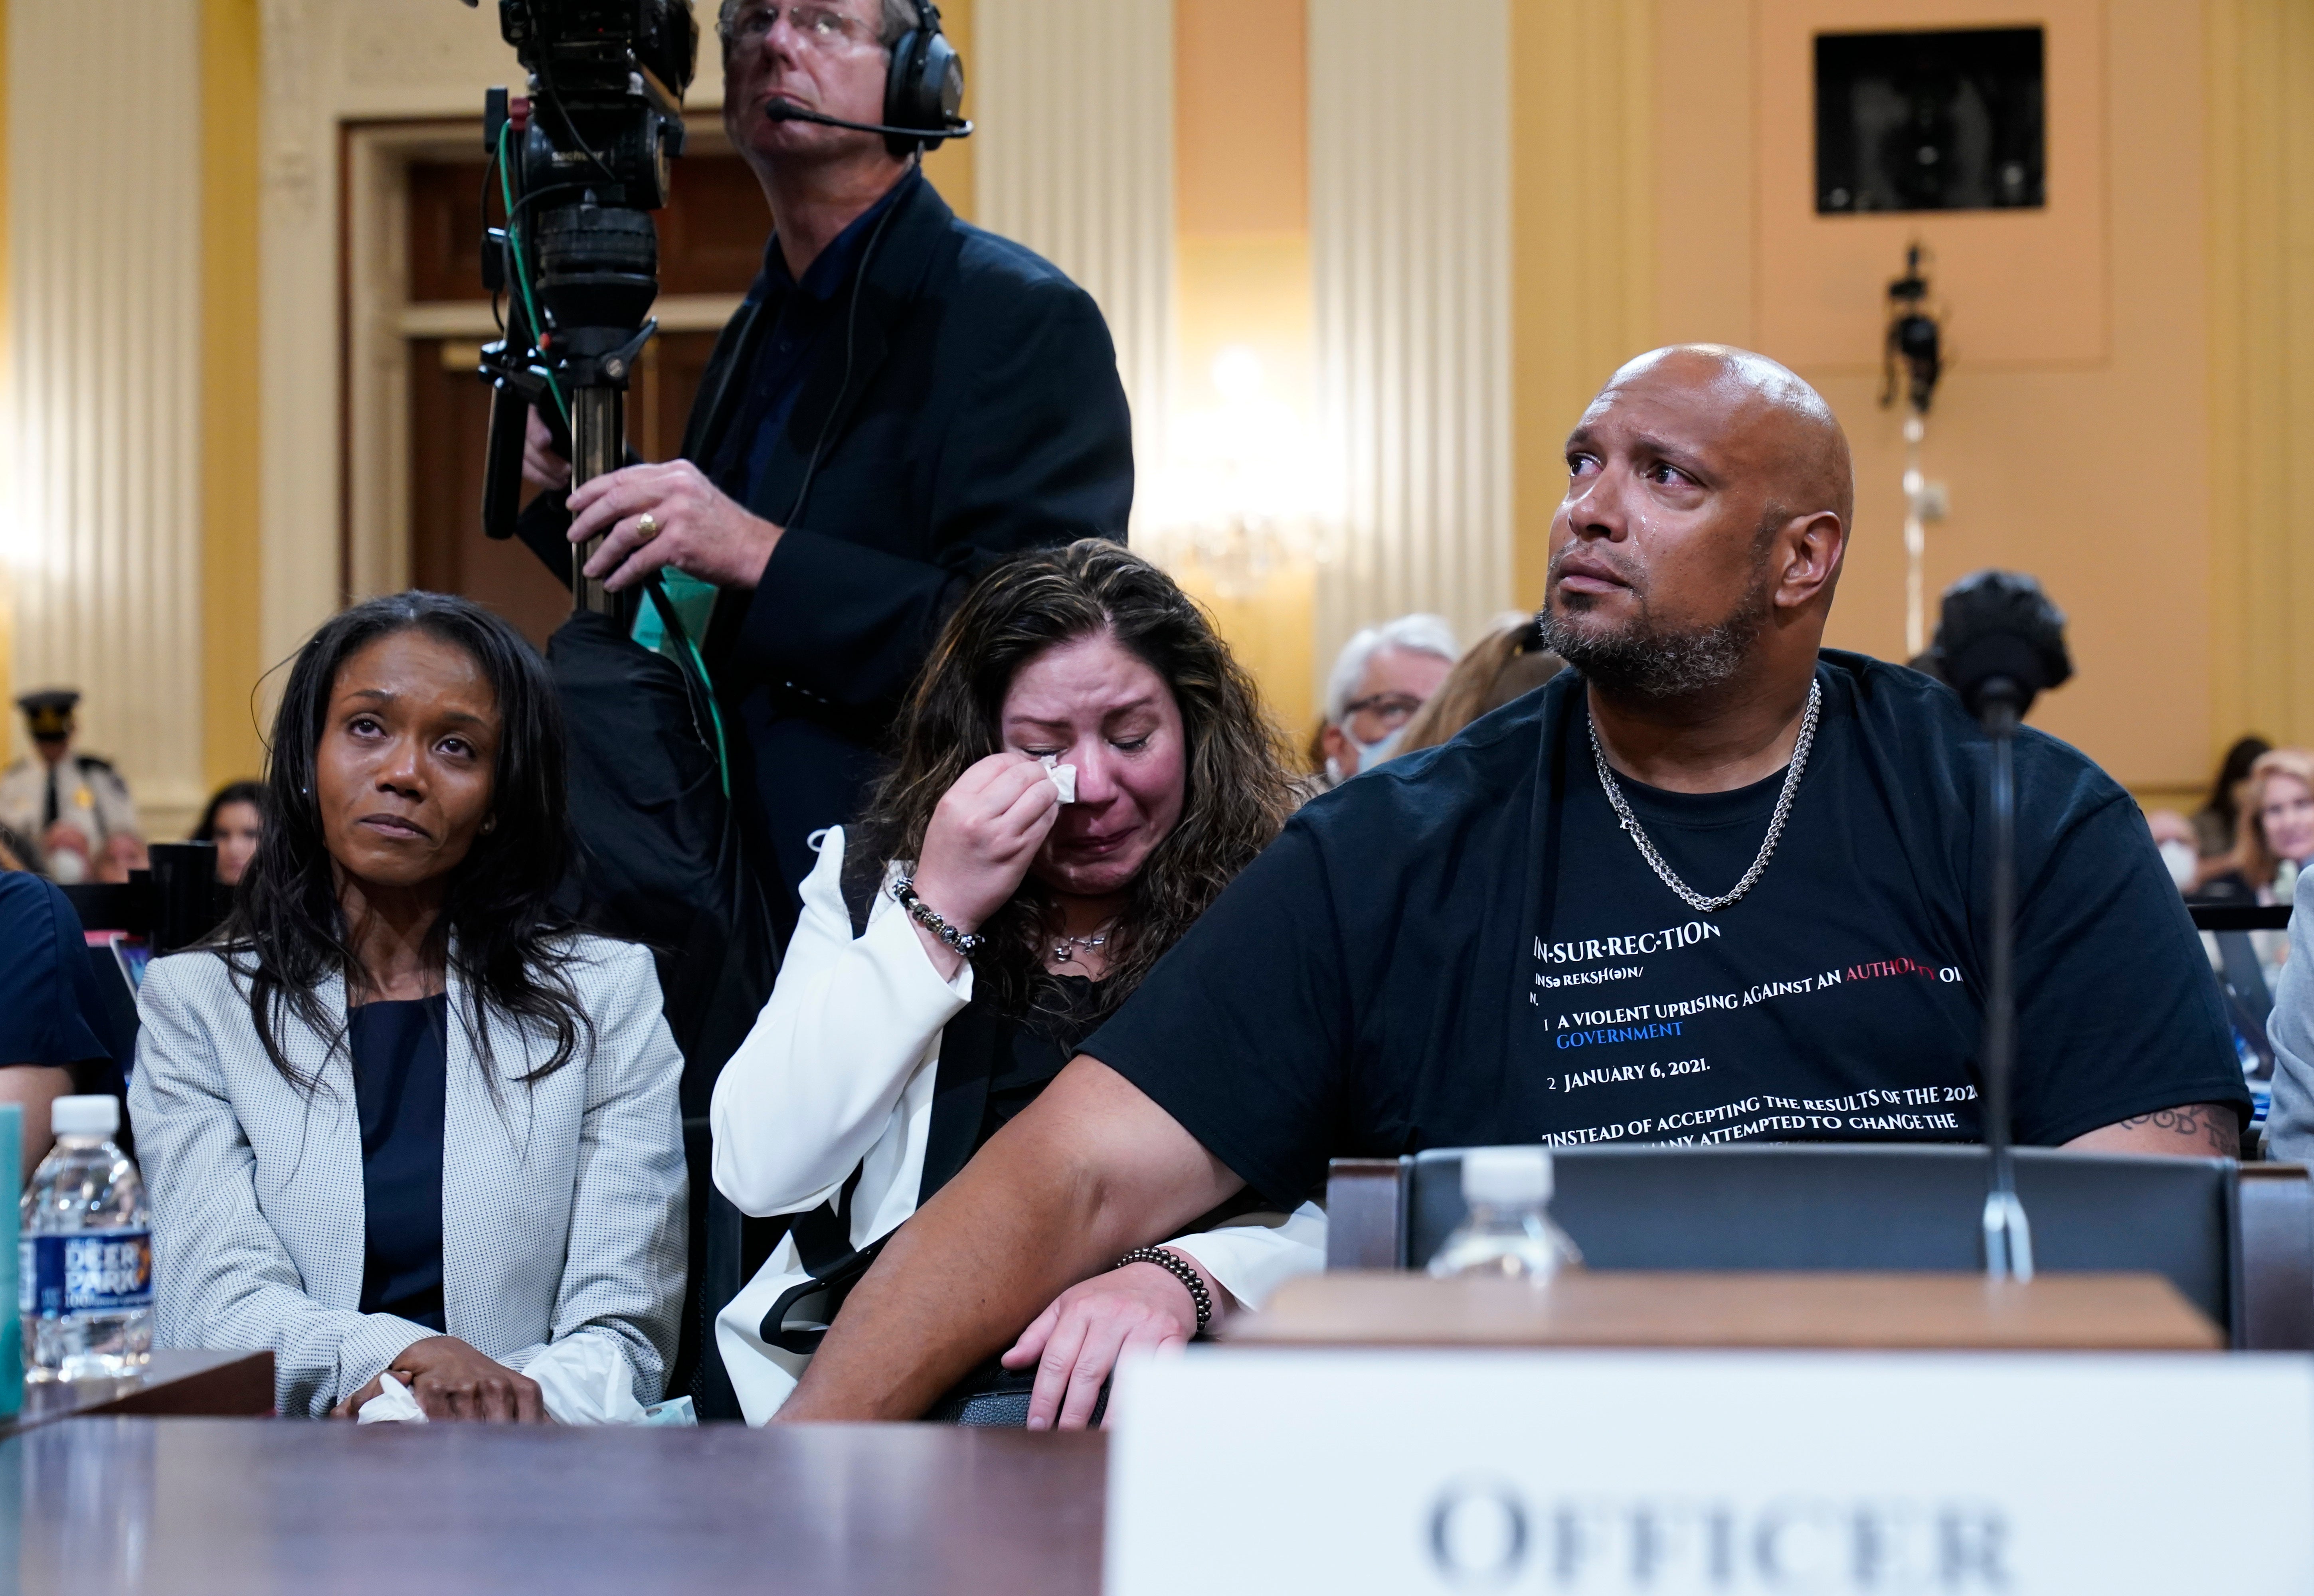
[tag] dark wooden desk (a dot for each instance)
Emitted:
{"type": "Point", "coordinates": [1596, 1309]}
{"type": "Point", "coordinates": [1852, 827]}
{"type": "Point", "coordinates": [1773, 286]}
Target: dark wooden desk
{"type": "Point", "coordinates": [206, 1384]}
{"type": "Point", "coordinates": [246, 1507]}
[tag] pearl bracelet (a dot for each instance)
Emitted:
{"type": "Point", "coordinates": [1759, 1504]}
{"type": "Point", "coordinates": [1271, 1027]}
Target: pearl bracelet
{"type": "Point", "coordinates": [904, 893]}
{"type": "Point", "coordinates": [1184, 1273]}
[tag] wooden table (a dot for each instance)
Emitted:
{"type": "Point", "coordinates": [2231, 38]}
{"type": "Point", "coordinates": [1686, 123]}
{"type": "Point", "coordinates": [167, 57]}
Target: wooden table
{"type": "Point", "coordinates": [1821, 1308]}
{"type": "Point", "coordinates": [209, 1384]}
{"type": "Point", "coordinates": [243, 1507]}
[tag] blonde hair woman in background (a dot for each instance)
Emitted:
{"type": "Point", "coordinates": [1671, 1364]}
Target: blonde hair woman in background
{"type": "Point", "coordinates": [1508, 663]}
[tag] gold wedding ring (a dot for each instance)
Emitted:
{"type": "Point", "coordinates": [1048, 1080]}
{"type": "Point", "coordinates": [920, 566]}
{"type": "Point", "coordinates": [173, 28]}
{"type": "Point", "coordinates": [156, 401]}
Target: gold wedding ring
{"type": "Point", "coordinates": [647, 524]}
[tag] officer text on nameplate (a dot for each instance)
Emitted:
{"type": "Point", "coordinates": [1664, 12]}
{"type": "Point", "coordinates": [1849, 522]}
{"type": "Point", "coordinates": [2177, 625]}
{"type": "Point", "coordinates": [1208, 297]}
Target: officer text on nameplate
{"type": "Point", "coordinates": [1355, 1471]}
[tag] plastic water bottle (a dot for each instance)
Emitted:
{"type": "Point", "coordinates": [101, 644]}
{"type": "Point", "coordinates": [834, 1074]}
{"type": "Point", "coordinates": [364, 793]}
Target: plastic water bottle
{"type": "Point", "coordinates": [85, 1252]}
{"type": "Point", "coordinates": [1508, 1233]}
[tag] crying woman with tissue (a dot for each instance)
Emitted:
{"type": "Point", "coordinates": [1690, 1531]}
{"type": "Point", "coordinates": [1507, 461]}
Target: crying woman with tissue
{"type": "Point", "coordinates": [399, 1122]}
{"type": "Point", "coordinates": [1080, 769]}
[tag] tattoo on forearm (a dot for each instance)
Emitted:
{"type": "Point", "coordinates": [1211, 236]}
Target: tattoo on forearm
{"type": "Point", "coordinates": [2212, 1124]}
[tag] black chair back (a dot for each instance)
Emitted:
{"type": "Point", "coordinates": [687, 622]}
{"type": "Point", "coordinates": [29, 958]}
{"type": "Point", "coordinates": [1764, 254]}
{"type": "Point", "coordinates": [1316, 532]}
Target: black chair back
{"type": "Point", "coordinates": [1870, 1208]}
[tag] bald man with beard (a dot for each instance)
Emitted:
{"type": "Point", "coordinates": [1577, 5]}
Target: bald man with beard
{"type": "Point", "coordinates": [1714, 884]}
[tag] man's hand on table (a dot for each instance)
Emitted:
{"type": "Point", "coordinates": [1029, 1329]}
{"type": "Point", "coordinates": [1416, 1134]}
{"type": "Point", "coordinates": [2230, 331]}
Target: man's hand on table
{"type": "Point", "coordinates": [1077, 1342]}
{"type": "Point", "coordinates": [451, 1381]}
{"type": "Point", "coordinates": [701, 531]}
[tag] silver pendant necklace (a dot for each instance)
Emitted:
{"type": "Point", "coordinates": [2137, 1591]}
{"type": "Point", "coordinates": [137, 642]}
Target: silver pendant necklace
{"type": "Point", "coordinates": [1630, 822]}
{"type": "Point", "coordinates": [1065, 951]}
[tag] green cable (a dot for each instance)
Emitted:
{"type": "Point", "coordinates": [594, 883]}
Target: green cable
{"type": "Point", "coordinates": [530, 306]}
{"type": "Point", "coordinates": [521, 272]}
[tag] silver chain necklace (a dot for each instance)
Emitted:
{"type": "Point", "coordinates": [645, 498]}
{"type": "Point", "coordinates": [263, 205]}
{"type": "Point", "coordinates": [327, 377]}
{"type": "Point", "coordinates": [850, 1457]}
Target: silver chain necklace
{"type": "Point", "coordinates": [1630, 822]}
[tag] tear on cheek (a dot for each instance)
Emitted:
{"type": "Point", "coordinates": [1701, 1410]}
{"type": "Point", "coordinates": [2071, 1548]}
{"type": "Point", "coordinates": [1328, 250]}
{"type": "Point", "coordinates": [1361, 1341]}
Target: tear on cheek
{"type": "Point", "coordinates": [1063, 776]}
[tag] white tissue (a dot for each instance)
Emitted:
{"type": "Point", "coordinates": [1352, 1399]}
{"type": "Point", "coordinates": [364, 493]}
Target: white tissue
{"type": "Point", "coordinates": [1064, 776]}
{"type": "Point", "coordinates": [392, 1405]}
{"type": "Point", "coordinates": [584, 1379]}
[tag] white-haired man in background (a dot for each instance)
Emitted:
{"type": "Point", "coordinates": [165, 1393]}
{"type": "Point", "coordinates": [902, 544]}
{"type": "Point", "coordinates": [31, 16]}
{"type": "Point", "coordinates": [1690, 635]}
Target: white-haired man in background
{"type": "Point", "coordinates": [1382, 677]}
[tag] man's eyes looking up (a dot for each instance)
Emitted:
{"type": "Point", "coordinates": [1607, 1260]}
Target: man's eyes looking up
{"type": "Point", "coordinates": [1660, 471]}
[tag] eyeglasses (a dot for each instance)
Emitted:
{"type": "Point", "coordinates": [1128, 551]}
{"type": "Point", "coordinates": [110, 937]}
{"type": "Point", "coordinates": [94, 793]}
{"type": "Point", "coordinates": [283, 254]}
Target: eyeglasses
{"type": "Point", "coordinates": [822, 27]}
{"type": "Point", "coordinates": [1393, 709]}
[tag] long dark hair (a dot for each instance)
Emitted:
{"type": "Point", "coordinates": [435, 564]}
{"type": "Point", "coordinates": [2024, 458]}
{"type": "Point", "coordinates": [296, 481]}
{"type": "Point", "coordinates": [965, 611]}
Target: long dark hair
{"type": "Point", "coordinates": [498, 928]}
{"type": "Point", "coordinates": [1237, 796]}
{"type": "Point", "coordinates": [252, 793]}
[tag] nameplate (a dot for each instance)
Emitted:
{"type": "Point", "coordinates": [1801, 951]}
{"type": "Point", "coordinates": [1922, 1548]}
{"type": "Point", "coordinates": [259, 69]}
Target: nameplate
{"type": "Point", "coordinates": [1262, 1471]}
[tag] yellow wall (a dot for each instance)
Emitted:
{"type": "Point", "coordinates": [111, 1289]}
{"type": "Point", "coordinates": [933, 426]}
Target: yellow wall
{"type": "Point", "coordinates": [7, 598]}
{"type": "Point", "coordinates": [1242, 276]}
{"type": "Point", "coordinates": [1582, 234]}
{"type": "Point", "coordinates": [950, 167]}
{"type": "Point", "coordinates": [232, 53]}
{"type": "Point", "coordinates": [2086, 465]}
{"type": "Point", "coordinates": [2261, 431]}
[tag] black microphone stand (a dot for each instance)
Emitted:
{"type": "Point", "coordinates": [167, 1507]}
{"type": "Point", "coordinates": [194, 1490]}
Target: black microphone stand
{"type": "Point", "coordinates": [1999, 643]}
{"type": "Point", "coordinates": [2008, 1235]}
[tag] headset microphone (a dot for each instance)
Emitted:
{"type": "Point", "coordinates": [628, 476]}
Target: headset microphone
{"type": "Point", "coordinates": [786, 111]}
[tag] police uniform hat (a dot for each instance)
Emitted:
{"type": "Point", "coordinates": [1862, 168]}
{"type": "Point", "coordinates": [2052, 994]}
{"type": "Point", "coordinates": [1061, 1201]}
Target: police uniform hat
{"type": "Point", "coordinates": [50, 712]}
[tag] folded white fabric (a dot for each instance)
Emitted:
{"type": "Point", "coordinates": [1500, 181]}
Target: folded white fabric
{"type": "Point", "coordinates": [392, 1405]}
{"type": "Point", "coordinates": [1064, 776]}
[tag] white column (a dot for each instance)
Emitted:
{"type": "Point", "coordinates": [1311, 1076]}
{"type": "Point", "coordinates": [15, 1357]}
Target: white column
{"type": "Point", "coordinates": [100, 498]}
{"type": "Point", "coordinates": [1073, 101]}
{"type": "Point", "coordinates": [1409, 224]}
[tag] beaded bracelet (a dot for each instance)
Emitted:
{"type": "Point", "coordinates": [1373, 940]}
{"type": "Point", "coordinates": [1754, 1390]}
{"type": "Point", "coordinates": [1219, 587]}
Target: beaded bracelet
{"type": "Point", "coordinates": [904, 893]}
{"type": "Point", "coordinates": [1181, 1272]}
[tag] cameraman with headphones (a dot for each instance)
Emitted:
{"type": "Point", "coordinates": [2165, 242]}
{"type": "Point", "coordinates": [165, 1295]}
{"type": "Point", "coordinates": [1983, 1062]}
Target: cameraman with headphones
{"type": "Point", "coordinates": [901, 402]}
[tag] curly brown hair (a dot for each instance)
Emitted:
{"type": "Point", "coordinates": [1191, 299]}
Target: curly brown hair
{"type": "Point", "coordinates": [1237, 789]}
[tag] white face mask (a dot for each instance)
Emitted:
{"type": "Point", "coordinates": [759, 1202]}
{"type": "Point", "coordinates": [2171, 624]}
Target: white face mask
{"type": "Point", "coordinates": [2183, 862]}
{"type": "Point", "coordinates": [1370, 754]}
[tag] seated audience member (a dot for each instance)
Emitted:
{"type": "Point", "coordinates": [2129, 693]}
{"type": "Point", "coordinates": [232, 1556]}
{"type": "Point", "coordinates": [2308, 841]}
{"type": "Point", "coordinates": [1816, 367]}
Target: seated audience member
{"type": "Point", "coordinates": [1382, 677]}
{"type": "Point", "coordinates": [2217, 823]}
{"type": "Point", "coordinates": [52, 1014]}
{"type": "Point", "coordinates": [1508, 663]}
{"type": "Point", "coordinates": [1712, 884]}
{"type": "Point", "coordinates": [232, 821]}
{"type": "Point", "coordinates": [2289, 1118]}
{"type": "Point", "coordinates": [2276, 841]}
{"type": "Point", "coordinates": [398, 1120]}
{"type": "Point", "coordinates": [73, 807]}
{"type": "Point", "coordinates": [2174, 836]}
{"type": "Point", "coordinates": [959, 942]}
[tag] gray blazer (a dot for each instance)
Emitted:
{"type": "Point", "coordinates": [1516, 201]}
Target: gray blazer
{"type": "Point", "coordinates": [2289, 1118]}
{"type": "Point", "coordinates": [562, 1202]}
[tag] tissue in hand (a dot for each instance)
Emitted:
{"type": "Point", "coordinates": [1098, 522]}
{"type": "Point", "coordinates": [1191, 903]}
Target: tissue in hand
{"type": "Point", "coordinates": [1064, 776]}
{"type": "Point", "coordinates": [392, 1405]}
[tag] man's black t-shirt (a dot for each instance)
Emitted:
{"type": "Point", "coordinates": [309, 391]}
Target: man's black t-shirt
{"type": "Point", "coordinates": [1463, 949]}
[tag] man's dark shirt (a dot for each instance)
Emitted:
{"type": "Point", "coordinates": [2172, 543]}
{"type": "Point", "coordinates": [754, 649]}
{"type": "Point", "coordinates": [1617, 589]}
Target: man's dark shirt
{"type": "Point", "coordinates": [1463, 949]}
{"type": "Point", "coordinates": [802, 317]}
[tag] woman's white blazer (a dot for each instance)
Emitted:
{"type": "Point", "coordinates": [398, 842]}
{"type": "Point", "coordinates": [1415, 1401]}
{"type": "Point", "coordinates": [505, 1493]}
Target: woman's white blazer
{"type": "Point", "coordinates": [838, 1074]}
{"type": "Point", "coordinates": [562, 1201]}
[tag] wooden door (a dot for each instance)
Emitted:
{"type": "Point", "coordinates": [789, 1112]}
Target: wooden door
{"type": "Point", "coordinates": [710, 242]}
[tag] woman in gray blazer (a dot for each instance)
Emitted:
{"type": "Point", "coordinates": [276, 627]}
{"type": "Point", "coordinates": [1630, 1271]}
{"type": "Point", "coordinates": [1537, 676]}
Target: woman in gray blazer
{"type": "Point", "coordinates": [399, 1121]}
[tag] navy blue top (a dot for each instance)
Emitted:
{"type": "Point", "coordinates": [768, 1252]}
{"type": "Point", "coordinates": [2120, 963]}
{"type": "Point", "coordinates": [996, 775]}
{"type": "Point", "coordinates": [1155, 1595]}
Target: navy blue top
{"type": "Point", "coordinates": [802, 316]}
{"type": "Point", "coordinates": [50, 1011]}
{"type": "Point", "coordinates": [401, 1089]}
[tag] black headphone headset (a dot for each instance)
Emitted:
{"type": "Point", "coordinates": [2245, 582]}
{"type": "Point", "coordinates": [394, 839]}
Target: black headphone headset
{"type": "Point", "coordinates": [926, 86]}
{"type": "Point", "coordinates": [922, 90]}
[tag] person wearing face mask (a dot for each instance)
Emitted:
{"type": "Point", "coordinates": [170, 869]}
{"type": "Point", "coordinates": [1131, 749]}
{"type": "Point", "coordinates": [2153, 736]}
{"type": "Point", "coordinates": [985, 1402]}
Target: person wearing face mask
{"type": "Point", "coordinates": [1382, 677]}
{"type": "Point", "coordinates": [1080, 770]}
{"type": "Point", "coordinates": [399, 1121]}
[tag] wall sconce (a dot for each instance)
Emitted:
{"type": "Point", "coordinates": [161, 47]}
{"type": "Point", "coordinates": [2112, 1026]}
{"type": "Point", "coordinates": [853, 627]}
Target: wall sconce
{"type": "Point", "coordinates": [1241, 495]}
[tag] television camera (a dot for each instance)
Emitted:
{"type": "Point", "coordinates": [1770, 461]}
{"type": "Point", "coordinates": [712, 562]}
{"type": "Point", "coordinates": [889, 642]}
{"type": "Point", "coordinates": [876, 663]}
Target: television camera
{"type": "Point", "coordinates": [579, 164]}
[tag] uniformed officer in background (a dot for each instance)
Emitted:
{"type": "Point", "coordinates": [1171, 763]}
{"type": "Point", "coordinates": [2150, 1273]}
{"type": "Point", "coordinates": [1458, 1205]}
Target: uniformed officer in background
{"type": "Point", "coordinates": [72, 808]}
